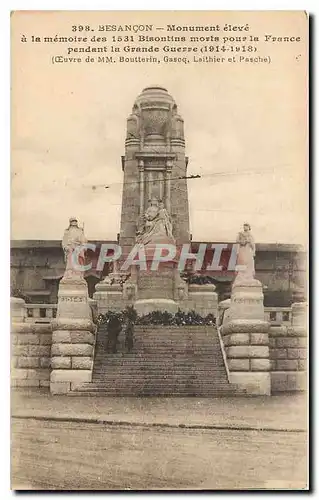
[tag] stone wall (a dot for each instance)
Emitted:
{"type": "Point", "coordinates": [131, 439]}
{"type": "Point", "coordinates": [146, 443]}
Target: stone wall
{"type": "Point", "coordinates": [282, 351]}
{"type": "Point", "coordinates": [288, 353]}
{"type": "Point", "coordinates": [30, 349]}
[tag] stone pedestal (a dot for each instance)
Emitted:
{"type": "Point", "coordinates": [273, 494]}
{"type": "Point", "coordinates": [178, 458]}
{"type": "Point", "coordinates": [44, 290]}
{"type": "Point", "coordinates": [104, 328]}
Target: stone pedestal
{"type": "Point", "coordinates": [245, 336]}
{"type": "Point", "coordinates": [201, 298]}
{"type": "Point", "coordinates": [17, 307]}
{"type": "Point", "coordinates": [155, 285]}
{"type": "Point", "coordinates": [73, 338]}
{"type": "Point", "coordinates": [109, 294]}
{"type": "Point", "coordinates": [146, 306]}
{"type": "Point", "coordinates": [299, 314]}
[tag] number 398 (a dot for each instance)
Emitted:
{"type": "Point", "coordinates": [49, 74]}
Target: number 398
{"type": "Point", "coordinates": [80, 27]}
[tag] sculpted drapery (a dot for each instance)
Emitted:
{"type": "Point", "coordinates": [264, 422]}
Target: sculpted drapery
{"type": "Point", "coordinates": [246, 253]}
{"type": "Point", "coordinates": [155, 225]}
{"type": "Point", "coordinates": [73, 237]}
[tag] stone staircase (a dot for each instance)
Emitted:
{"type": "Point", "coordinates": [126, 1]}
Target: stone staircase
{"type": "Point", "coordinates": [165, 361]}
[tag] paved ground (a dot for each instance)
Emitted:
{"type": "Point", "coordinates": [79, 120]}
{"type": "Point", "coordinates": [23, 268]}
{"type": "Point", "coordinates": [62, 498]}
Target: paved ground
{"type": "Point", "coordinates": [141, 447]}
{"type": "Point", "coordinates": [276, 412]}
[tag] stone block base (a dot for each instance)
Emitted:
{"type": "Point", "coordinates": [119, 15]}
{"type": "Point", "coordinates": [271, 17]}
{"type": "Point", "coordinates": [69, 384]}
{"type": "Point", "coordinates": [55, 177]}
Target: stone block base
{"type": "Point", "coordinates": [29, 377]}
{"type": "Point", "coordinates": [110, 301]}
{"type": "Point", "coordinates": [146, 306]}
{"type": "Point", "coordinates": [286, 382]}
{"type": "Point", "coordinates": [254, 383]}
{"type": "Point", "coordinates": [72, 359]}
{"type": "Point", "coordinates": [61, 381]}
{"type": "Point", "coordinates": [60, 387]}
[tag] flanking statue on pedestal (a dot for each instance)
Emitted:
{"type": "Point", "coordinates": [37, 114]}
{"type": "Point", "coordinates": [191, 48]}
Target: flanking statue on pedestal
{"type": "Point", "coordinates": [244, 329]}
{"type": "Point", "coordinates": [73, 239]}
{"type": "Point", "coordinates": [246, 254]}
{"type": "Point", "coordinates": [73, 328]}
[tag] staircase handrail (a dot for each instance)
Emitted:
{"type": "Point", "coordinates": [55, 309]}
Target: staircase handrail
{"type": "Point", "coordinates": [223, 352]}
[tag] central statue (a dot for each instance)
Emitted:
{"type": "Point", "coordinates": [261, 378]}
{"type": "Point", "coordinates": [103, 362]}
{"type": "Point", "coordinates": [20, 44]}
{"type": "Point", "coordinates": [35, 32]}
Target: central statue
{"type": "Point", "coordinates": [155, 225]}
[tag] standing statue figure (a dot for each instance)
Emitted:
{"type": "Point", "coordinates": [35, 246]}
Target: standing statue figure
{"type": "Point", "coordinates": [246, 253]}
{"type": "Point", "coordinates": [155, 226]}
{"type": "Point", "coordinates": [73, 237]}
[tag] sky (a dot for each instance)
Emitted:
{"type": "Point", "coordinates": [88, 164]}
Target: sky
{"type": "Point", "coordinates": [245, 132]}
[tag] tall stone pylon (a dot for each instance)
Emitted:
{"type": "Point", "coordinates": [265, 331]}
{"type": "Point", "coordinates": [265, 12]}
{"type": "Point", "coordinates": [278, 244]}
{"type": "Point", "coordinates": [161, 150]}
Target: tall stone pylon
{"type": "Point", "coordinates": [155, 213]}
{"type": "Point", "coordinates": [154, 165]}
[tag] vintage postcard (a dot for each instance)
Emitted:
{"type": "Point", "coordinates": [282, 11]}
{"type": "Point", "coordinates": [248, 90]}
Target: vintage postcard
{"type": "Point", "coordinates": [159, 250]}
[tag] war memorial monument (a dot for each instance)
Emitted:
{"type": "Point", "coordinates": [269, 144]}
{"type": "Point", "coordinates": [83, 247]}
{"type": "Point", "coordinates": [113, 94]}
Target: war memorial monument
{"type": "Point", "coordinates": [239, 353]}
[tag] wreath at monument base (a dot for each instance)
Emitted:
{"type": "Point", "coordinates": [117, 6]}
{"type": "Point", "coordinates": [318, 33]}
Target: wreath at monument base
{"type": "Point", "coordinates": [197, 279]}
{"type": "Point", "coordinates": [164, 318]}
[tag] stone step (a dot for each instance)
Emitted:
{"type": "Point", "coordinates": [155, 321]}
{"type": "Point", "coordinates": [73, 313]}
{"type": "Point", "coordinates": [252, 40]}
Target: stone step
{"type": "Point", "coordinates": [178, 368]}
{"type": "Point", "coordinates": [166, 361]}
{"type": "Point", "coordinates": [164, 343]}
{"type": "Point", "coordinates": [178, 377]}
{"type": "Point", "coordinates": [159, 387]}
{"type": "Point", "coordinates": [169, 355]}
{"type": "Point", "coordinates": [139, 394]}
{"type": "Point", "coordinates": [224, 391]}
{"type": "Point", "coordinates": [162, 360]}
{"type": "Point", "coordinates": [158, 369]}
{"type": "Point", "coordinates": [212, 383]}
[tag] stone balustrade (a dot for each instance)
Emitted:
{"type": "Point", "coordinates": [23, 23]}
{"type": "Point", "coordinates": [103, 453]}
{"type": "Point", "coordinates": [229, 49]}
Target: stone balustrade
{"type": "Point", "coordinates": [277, 316]}
{"type": "Point", "coordinates": [40, 313]}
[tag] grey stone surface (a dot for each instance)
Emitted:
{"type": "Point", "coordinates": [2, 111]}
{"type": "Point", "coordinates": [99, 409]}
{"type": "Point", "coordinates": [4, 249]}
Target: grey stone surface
{"type": "Point", "coordinates": [44, 383]}
{"type": "Point", "coordinates": [73, 337]}
{"type": "Point", "coordinates": [46, 338]}
{"type": "Point", "coordinates": [33, 350]}
{"type": "Point", "coordinates": [254, 382]}
{"type": "Point", "coordinates": [76, 376]}
{"type": "Point", "coordinates": [287, 364]}
{"type": "Point", "coordinates": [72, 350]}
{"type": "Point", "coordinates": [297, 381]}
{"type": "Point", "coordinates": [296, 353]}
{"type": "Point", "coordinates": [65, 323]}
{"type": "Point", "coordinates": [279, 381]}
{"type": "Point", "coordinates": [259, 339]}
{"type": "Point", "coordinates": [245, 326]}
{"type": "Point", "coordinates": [44, 362]}
{"type": "Point", "coordinates": [31, 328]}
{"type": "Point", "coordinates": [60, 362]}
{"type": "Point", "coordinates": [238, 365]}
{"type": "Point", "coordinates": [287, 342]}
{"type": "Point", "coordinates": [31, 373]}
{"type": "Point", "coordinates": [60, 387]}
{"type": "Point", "coordinates": [278, 353]}
{"type": "Point", "coordinates": [82, 363]}
{"type": "Point", "coordinates": [28, 339]}
{"type": "Point", "coordinates": [146, 306]}
{"type": "Point", "coordinates": [260, 365]}
{"type": "Point", "coordinates": [236, 339]}
{"type": "Point", "coordinates": [25, 383]}
{"type": "Point", "coordinates": [28, 362]}
{"type": "Point", "coordinates": [247, 352]}
{"type": "Point", "coordinates": [17, 307]}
